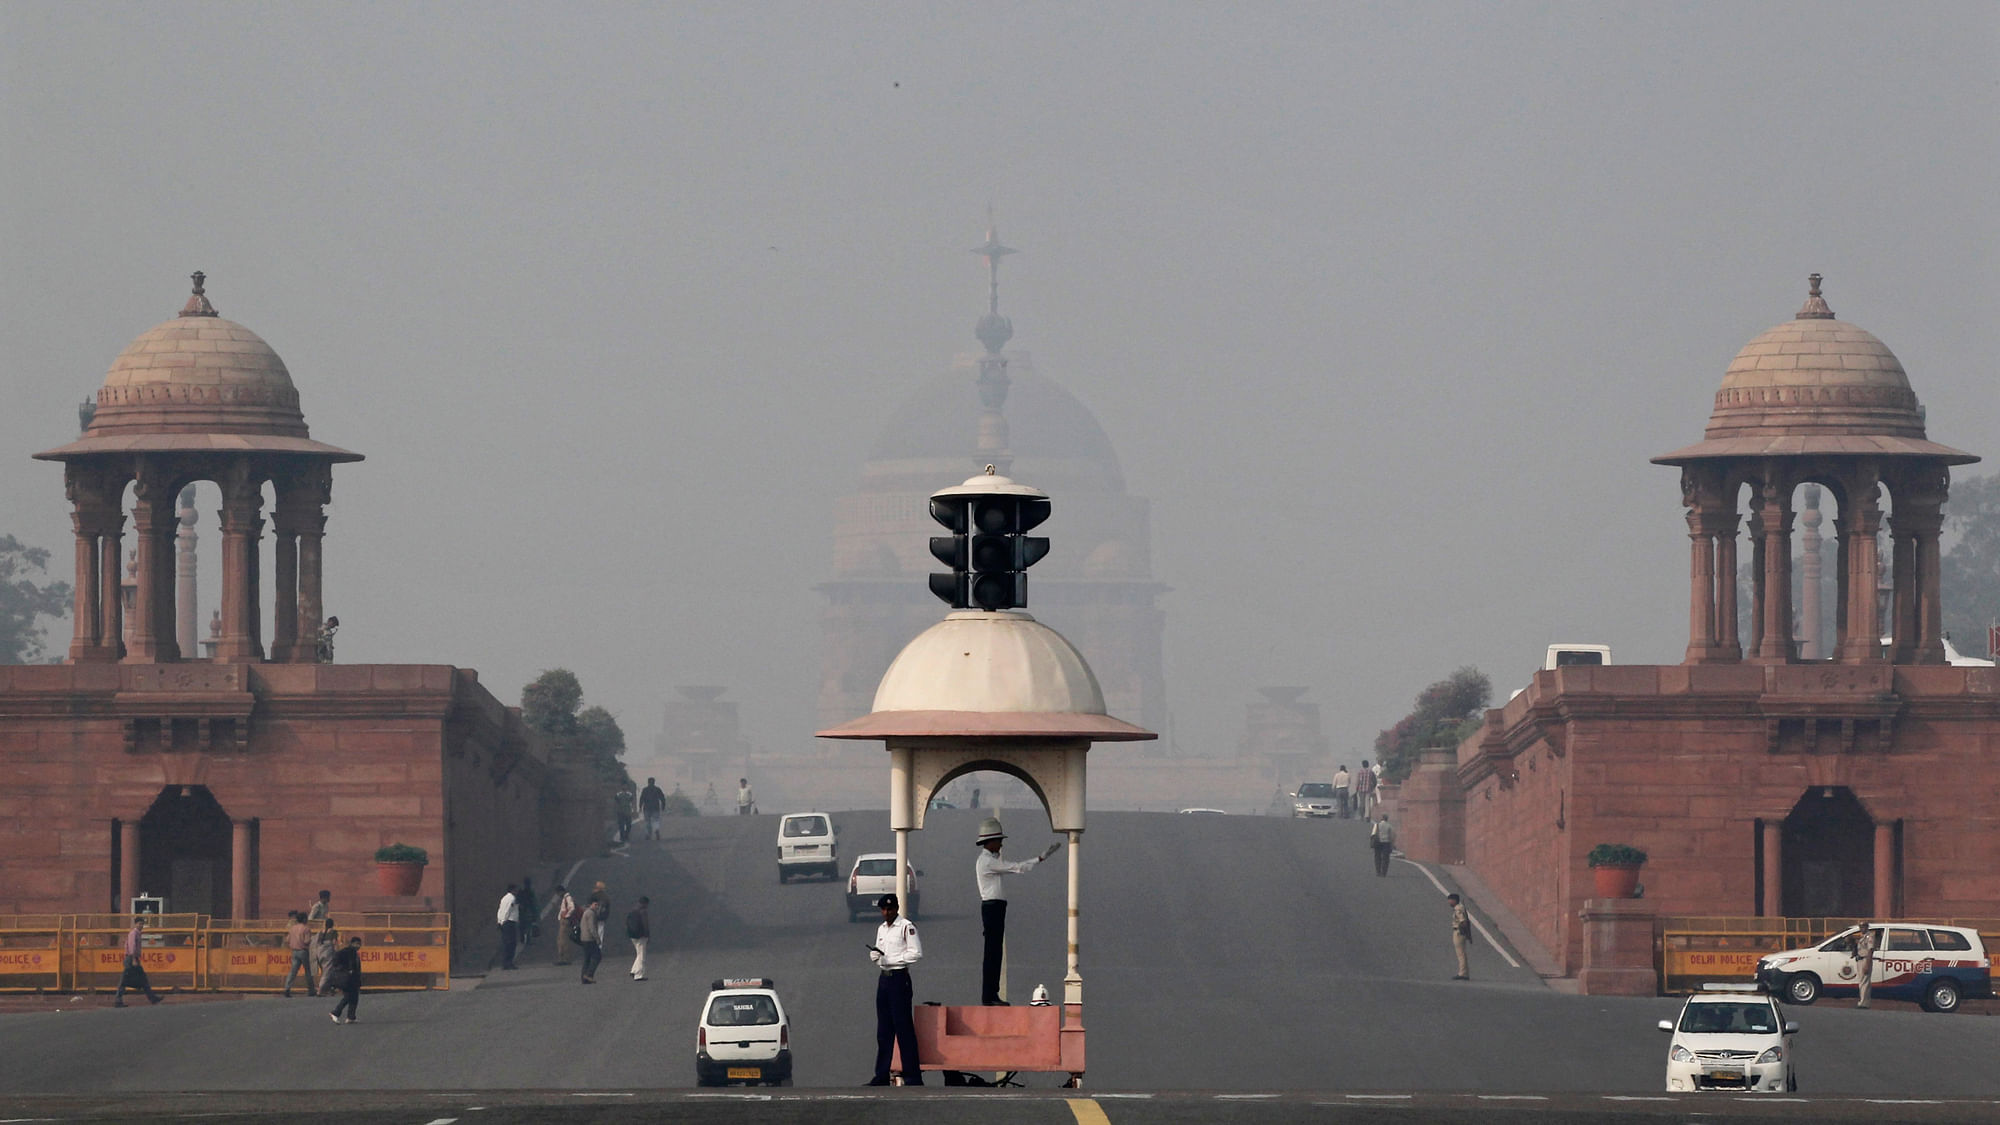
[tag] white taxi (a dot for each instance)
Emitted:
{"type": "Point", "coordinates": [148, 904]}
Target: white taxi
{"type": "Point", "coordinates": [1731, 1037]}
{"type": "Point", "coordinates": [744, 1035]}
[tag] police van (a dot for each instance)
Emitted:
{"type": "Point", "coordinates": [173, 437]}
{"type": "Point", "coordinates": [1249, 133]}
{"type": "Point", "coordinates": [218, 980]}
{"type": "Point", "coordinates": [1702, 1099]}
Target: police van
{"type": "Point", "coordinates": [743, 1036]}
{"type": "Point", "coordinates": [1934, 965]}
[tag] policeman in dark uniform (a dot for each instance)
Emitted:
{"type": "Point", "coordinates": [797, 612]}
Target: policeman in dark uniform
{"type": "Point", "coordinates": [896, 948]}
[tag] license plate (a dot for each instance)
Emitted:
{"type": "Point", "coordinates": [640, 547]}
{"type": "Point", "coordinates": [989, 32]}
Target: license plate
{"type": "Point", "coordinates": [1725, 1076]}
{"type": "Point", "coordinates": [746, 1072]}
{"type": "Point", "coordinates": [804, 848]}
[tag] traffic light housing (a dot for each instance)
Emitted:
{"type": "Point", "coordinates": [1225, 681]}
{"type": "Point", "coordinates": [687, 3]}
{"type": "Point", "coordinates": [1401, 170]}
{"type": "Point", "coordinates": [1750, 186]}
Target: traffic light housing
{"type": "Point", "coordinates": [988, 549]}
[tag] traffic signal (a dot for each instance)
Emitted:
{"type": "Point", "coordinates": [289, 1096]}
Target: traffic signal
{"type": "Point", "coordinates": [987, 550]}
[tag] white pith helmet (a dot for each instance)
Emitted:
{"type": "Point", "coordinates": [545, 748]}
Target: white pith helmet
{"type": "Point", "coordinates": [989, 830]}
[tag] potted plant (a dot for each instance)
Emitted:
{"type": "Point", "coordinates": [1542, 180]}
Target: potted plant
{"type": "Point", "coordinates": [400, 868]}
{"type": "Point", "coordinates": [1615, 869]}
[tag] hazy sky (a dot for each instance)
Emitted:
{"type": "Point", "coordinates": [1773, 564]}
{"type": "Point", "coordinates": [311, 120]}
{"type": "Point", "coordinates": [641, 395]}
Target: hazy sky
{"type": "Point", "coordinates": [1384, 306]}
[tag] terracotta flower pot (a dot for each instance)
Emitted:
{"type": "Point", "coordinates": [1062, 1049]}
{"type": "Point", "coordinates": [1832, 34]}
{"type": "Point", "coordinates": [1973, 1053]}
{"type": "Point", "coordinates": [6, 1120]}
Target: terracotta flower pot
{"type": "Point", "coordinates": [1615, 882]}
{"type": "Point", "coordinates": [401, 879]}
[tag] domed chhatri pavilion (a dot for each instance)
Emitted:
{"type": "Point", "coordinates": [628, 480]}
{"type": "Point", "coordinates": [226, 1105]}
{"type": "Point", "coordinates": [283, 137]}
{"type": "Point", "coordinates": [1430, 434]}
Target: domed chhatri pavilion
{"type": "Point", "coordinates": [1096, 588]}
{"type": "Point", "coordinates": [239, 785]}
{"type": "Point", "coordinates": [1760, 778]}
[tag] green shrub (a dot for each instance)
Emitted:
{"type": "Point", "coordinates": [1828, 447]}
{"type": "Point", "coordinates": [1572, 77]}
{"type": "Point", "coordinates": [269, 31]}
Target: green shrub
{"type": "Point", "coordinates": [1616, 855]}
{"type": "Point", "coordinates": [402, 853]}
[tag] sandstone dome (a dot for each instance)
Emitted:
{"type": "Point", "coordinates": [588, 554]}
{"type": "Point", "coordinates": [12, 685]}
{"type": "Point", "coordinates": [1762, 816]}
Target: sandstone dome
{"type": "Point", "coordinates": [1055, 439]}
{"type": "Point", "coordinates": [1815, 385]}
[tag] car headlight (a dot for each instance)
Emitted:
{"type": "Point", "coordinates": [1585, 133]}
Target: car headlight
{"type": "Point", "coordinates": [1680, 1054]}
{"type": "Point", "coordinates": [1775, 1054]}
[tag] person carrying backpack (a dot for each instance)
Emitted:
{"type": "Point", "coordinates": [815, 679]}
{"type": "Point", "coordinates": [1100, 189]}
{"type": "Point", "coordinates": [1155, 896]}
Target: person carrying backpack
{"type": "Point", "coordinates": [639, 928]}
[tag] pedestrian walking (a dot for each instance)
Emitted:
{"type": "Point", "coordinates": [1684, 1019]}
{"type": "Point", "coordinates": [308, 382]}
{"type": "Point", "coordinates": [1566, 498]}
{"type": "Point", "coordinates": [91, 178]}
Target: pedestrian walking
{"type": "Point", "coordinates": [132, 972]}
{"type": "Point", "coordinates": [325, 943]}
{"type": "Point", "coordinates": [345, 975]}
{"type": "Point", "coordinates": [590, 935]}
{"type": "Point", "coordinates": [653, 804]}
{"type": "Point", "coordinates": [986, 871]}
{"type": "Point", "coordinates": [640, 929]}
{"type": "Point", "coordinates": [624, 802]}
{"type": "Point", "coordinates": [1366, 786]}
{"type": "Point", "coordinates": [509, 919]}
{"type": "Point", "coordinates": [1342, 783]}
{"type": "Point", "coordinates": [1461, 934]}
{"type": "Point", "coordinates": [1864, 961]}
{"type": "Point", "coordinates": [896, 948]}
{"type": "Point", "coordinates": [298, 939]}
{"type": "Point", "coordinates": [1382, 838]}
{"type": "Point", "coordinates": [531, 912]}
{"type": "Point", "coordinates": [746, 801]}
{"type": "Point", "coordinates": [320, 909]}
{"type": "Point", "coordinates": [565, 922]}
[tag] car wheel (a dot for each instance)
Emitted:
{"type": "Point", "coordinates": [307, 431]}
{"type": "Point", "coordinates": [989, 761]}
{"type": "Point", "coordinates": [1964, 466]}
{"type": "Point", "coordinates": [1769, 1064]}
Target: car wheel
{"type": "Point", "coordinates": [1801, 988]}
{"type": "Point", "coordinates": [784, 876]}
{"type": "Point", "coordinates": [1941, 996]}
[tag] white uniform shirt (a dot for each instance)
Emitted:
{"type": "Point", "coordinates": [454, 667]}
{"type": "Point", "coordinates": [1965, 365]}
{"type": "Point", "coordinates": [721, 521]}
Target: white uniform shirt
{"type": "Point", "coordinates": [1340, 780]}
{"type": "Point", "coordinates": [990, 867]}
{"type": "Point", "coordinates": [898, 943]}
{"type": "Point", "coordinates": [510, 911]}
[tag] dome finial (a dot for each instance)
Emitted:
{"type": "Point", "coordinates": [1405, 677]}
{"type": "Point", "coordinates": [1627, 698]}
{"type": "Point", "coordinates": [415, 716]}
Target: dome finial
{"type": "Point", "coordinates": [994, 330]}
{"type": "Point", "coordinates": [1815, 306]}
{"type": "Point", "coordinates": [197, 304]}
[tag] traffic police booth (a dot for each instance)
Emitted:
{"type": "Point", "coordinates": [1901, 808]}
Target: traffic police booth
{"type": "Point", "coordinates": [991, 688]}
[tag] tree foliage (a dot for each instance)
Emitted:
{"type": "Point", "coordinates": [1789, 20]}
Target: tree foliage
{"type": "Point", "coordinates": [553, 704]}
{"type": "Point", "coordinates": [1971, 569]}
{"type": "Point", "coordinates": [25, 599]}
{"type": "Point", "coordinates": [1444, 714]}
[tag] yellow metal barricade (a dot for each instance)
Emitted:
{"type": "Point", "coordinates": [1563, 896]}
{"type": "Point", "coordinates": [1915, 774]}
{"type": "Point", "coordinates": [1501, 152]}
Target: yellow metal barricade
{"type": "Point", "coordinates": [401, 951]}
{"type": "Point", "coordinates": [31, 952]}
{"type": "Point", "coordinates": [248, 955]}
{"type": "Point", "coordinates": [94, 950]}
{"type": "Point", "coordinates": [1697, 949]}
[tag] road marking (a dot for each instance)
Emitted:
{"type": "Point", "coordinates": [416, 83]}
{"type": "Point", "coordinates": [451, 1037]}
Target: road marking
{"type": "Point", "coordinates": [1476, 923]}
{"type": "Point", "coordinates": [1637, 1098]}
{"type": "Point", "coordinates": [1242, 1097]}
{"type": "Point", "coordinates": [1900, 1101]}
{"type": "Point", "coordinates": [1088, 1112]}
{"type": "Point", "coordinates": [1512, 1098]}
{"type": "Point", "coordinates": [733, 1097]}
{"type": "Point", "coordinates": [1379, 1097]}
{"type": "Point", "coordinates": [1121, 1095]}
{"type": "Point", "coordinates": [442, 1121]}
{"type": "Point", "coordinates": [595, 1094]}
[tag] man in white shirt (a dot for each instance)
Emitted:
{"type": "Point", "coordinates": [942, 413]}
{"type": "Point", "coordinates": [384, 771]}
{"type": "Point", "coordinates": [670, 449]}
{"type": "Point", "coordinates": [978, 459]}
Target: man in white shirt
{"type": "Point", "coordinates": [993, 903]}
{"type": "Point", "coordinates": [1341, 782]}
{"type": "Point", "coordinates": [509, 918]}
{"type": "Point", "coordinates": [896, 948]}
{"type": "Point", "coordinates": [745, 799]}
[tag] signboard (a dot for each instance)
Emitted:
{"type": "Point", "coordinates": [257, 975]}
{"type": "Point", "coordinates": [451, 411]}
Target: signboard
{"type": "Point", "coordinates": [406, 959]}
{"type": "Point", "coordinates": [1730, 964]}
{"type": "Point", "coordinates": [20, 962]}
{"type": "Point", "coordinates": [164, 959]}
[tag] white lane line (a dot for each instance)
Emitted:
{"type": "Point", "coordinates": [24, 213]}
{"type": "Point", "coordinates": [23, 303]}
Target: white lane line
{"type": "Point", "coordinates": [1900, 1101]}
{"type": "Point", "coordinates": [1242, 1097]}
{"type": "Point", "coordinates": [595, 1094]}
{"type": "Point", "coordinates": [1098, 1096]}
{"type": "Point", "coordinates": [1512, 1098]}
{"type": "Point", "coordinates": [1378, 1097]}
{"type": "Point", "coordinates": [1476, 923]}
{"type": "Point", "coordinates": [1637, 1097]}
{"type": "Point", "coordinates": [736, 1097]}
{"type": "Point", "coordinates": [441, 1121]}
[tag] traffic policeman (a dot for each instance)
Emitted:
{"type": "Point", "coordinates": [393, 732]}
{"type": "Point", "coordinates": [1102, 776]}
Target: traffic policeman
{"type": "Point", "coordinates": [896, 948]}
{"type": "Point", "coordinates": [987, 869]}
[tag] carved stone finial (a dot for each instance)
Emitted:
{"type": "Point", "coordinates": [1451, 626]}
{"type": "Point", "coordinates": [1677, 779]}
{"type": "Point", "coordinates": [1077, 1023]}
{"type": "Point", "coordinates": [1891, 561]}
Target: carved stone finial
{"type": "Point", "coordinates": [197, 302]}
{"type": "Point", "coordinates": [1815, 306]}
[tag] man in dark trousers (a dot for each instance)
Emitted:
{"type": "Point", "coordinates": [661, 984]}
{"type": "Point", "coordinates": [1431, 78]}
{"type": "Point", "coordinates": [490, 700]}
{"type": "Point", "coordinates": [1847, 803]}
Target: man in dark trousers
{"type": "Point", "coordinates": [133, 971]}
{"type": "Point", "coordinates": [345, 974]}
{"type": "Point", "coordinates": [987, 869]}
{"type": "Point", "coordinates": [896, 948]}
{"type": "Point", "coordinates": [509, 919]}
{"type": "Point", "coordinates": [1382, 837]}
{"type": "Point", "coordinates": [652, 803]}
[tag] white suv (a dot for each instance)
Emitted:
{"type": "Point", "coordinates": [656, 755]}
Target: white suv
{"type": "Point", "coordinates": [743, 1035]}
{"type": "Point", "coordinates": [1934, 965]}
{"type": "Point", "coordinates": [1730, 1037]}
{"type": "Point", "coordinates": [806, 846]}
{"type": "Point", "coordinates": [874, 875]}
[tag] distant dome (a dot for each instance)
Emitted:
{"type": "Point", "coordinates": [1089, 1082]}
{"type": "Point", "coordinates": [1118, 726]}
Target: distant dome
{"type": "Point", "coordinates": [1045, 423]}
{"type": "Point", "coordinates": [1813, 385]}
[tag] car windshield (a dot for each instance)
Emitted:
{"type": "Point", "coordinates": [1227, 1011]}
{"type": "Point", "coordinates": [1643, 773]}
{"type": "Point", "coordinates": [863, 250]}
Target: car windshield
{"type": "Point", "coordinates": [806, 826]}
{"type": "Point", "coordinates": [741, 1011]}
{"type": "Point", "coordinates": [1730, 1017]}
{"type": "Point", "coordinates": [1316, 789]}
{"type": "Point", "coordinates": [875, 867]}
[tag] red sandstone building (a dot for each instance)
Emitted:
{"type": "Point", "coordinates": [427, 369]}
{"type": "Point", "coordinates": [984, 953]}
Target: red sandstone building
{"type": "Point", "coordinates": [1759, 781]}
{"type": "Point", "coordinates": [241, 784]}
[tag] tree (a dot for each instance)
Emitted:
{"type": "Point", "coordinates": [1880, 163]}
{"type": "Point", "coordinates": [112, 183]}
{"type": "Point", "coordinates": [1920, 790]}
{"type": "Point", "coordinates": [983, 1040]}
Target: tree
{"type": "Point", "coordinates": [1971, 569]}
{"type": "Point", "coordinates": [1445, 713]}
{"type": "Point", "coordinates": [24, 601]}
{"type": "Point", "coordinates": [551, 705]}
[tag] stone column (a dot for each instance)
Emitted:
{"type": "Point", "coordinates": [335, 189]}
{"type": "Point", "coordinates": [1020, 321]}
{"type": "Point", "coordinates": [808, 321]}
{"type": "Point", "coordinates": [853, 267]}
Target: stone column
{"type": "Point", "coordinates": [1618, 948]}
{"type": "Point", "coordinates": [1072, 974]}
{"type": "Point", "coordinates": [110, 589]}
{"type": "Point", "coordinates": [152, 528]}
{"type": "Point", "coordinates": [312, 611]}
{"type": "Point", "coordinates": [241, 501]}
{"type": "Point", "coordinates": [1774, 868]}
{"type": "Point", "coordinates": [241, 858]}
{"type": "Point", "coordinates": [1861, 642]}
{"type": "Point", "coordinates": [1885, 870]}
{"type": "Point", "coordinates": [187, 633]}
{"type": "Point", "coordinates": [128, 864]}
{"type": "Point", "coordinates": [1903, 573]}
{"type": "Point", "coordinates": [1728, 644]}
{"type": "Point", "coordinates": [1701, 583]}
{"type": "Point", "coordinates": [1923, 514]}
{"type": "Point", "coordinates": [1811, 630]}
{"type": "Point", "coordinates": [84, 645]}
{"type": "Point", "coordinates": [285, 606]}
{"type": "Point", "coordinates": [1774, 601]}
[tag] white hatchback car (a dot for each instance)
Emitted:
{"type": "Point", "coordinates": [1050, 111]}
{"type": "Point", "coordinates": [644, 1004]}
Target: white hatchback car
{"type": "Point", "coordinates": [744, 1035]}
{"type": "Point", "coordinates": [806, 846]}
{"type": "Point", "coordinates": [1731, 1037]}
{"type": "Point", "coordinates": [874, 875]}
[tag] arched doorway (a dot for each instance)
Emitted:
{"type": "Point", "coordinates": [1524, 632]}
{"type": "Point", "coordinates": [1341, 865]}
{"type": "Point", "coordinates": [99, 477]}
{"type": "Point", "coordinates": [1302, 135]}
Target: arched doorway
{"type": "Point", "coordinates": [185, 851]}
{"type": "Point", "coordinates": [1828, 851]}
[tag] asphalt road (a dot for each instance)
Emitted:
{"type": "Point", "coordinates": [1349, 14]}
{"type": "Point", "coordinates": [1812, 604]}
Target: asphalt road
{"type": "Point", "coordinates": [1220, 955]}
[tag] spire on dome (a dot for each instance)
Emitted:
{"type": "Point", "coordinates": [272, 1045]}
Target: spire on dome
{"type": "Point", "coordinates": [1815, 306]}
{"type": "Point", "coordinates": [197, 305]}
{"type": "Point", "coordinates": [994, 330]}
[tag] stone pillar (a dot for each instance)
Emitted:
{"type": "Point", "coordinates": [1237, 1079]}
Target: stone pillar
{"type": "Point", "coordinates": [285, 606]}
{"type": "Point", "coordinates": [1774, 896]}
{"type": "Point", "coordinates": [241, 502]}
{"type": "Point", "coordinates": [1862, 642]}
{"type": "Point", "coordinates": [1729, 646]}
{"type": "Point", "coordinates": [1885, 870]}
{"type": "Point", "coordinates": [312, 611]}
{"type": "Point", "coordinates": [1774, 600]}
{"type": "Point", "coordinates": [1701, 583]}
{"type": "Point", "coordinates": [1841, 559]}
{"type": "Point", "coordinates": [128, 864]}
{"type": "Point", "coordinates": [110, 589]}
{"type": "Point", "coordinates": [1903, 573]}
{"type": "Point", "coordinates": [150, 538]}
{"type": "Point", "coordinates": [1811, 631]}
{"type": "Point", "coordinates": [1923, 514]}
{"type": "Point", "coordinates": [187, 634]}
{"type": "Point", "coordinates": [84, 645]}
{"type": "Point", "coordinates": [241, 859]}
{"type": "Point", "coordinates": [1618, 948]}
{"type": "Point", "coordinates": [1072, 975]}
